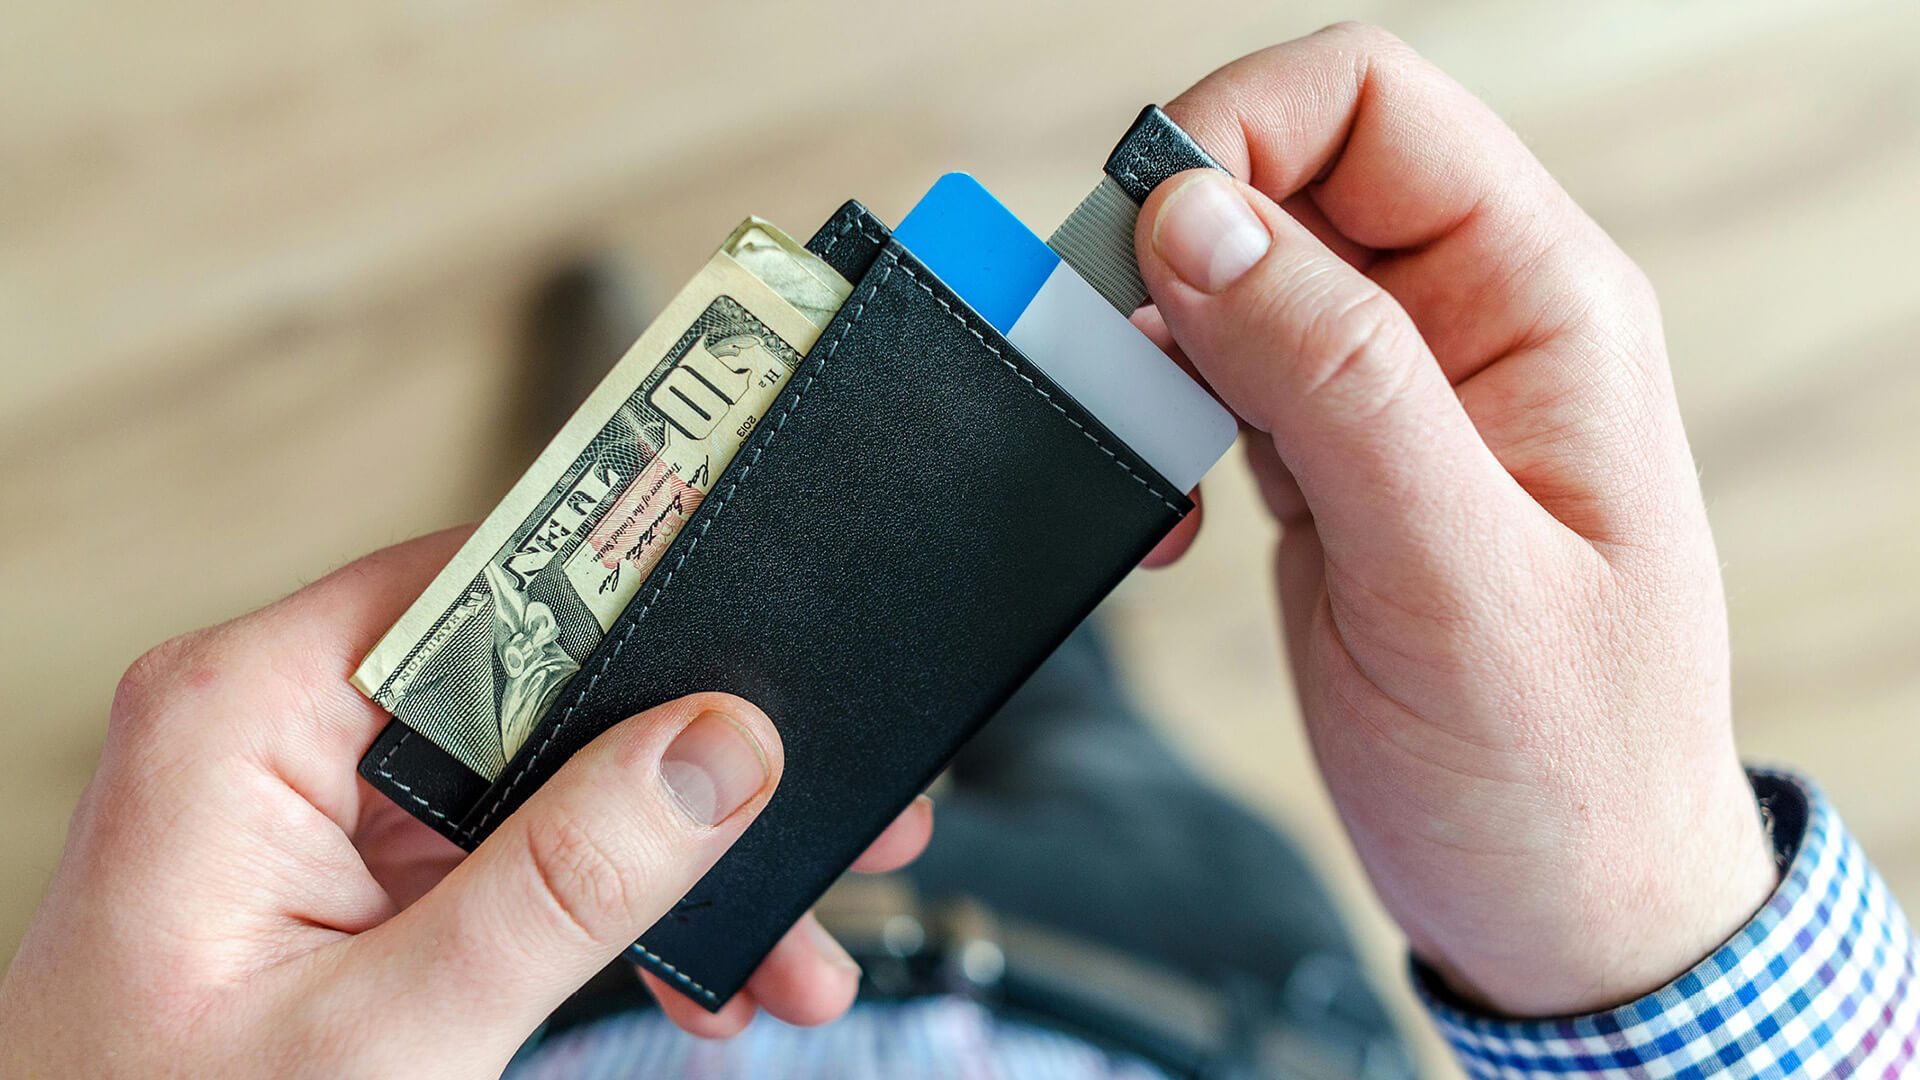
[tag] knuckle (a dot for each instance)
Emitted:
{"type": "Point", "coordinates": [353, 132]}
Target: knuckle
{"type": "Point", "coordinates": [583, 879]}
{"type": "Point", "coordinates": [151, 678]}
{"type": "Point", "coordinates": [1620, 321]}
{"type": "Point", "coordinates": [1612, 281]}
{"type": "Point", "coordinates": [1642, 298]}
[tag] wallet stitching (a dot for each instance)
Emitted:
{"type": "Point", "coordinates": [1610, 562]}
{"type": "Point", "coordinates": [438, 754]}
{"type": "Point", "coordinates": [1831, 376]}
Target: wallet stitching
{"type": "Point", "coordinates": [381, 769]}
{"type": "Point", "coordinates": [844, 227]}
{"type": "Point", "coordinates": [848, 226]}
{"type": "Point", "coordinates": [1036, 387]}
{"type": "Point", "coordinates": [720, 507]}
{"type": "Point", "coordinates": [676, 973]}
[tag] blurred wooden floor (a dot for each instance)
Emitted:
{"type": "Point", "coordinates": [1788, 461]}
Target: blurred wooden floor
{"type": "Point", "coordinates": [260, 271]}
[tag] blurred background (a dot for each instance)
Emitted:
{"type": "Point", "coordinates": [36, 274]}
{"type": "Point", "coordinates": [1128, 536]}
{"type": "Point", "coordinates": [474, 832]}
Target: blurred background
{"type": "Point", "coordinates": [264, 271]}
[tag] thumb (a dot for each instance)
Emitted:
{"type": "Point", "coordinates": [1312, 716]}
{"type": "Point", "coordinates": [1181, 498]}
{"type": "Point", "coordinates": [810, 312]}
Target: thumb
{"type": "Point", "coordinates": [1312, 352]}
{"type": "Point", "coordinates": [593, 859]}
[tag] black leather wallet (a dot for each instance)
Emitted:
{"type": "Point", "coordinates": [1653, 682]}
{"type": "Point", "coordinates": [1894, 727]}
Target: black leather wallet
{"type": "Point", "coordinates": [924, 518]}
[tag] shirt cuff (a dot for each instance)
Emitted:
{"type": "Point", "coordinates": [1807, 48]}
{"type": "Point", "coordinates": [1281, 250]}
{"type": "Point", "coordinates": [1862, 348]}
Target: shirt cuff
{"type": "Point", "coordinates": [1821, 983]}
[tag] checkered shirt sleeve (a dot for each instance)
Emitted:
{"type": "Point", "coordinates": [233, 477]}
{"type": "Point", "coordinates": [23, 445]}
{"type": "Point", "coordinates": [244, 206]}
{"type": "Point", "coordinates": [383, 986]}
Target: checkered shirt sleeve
{"type": "Point", "coordinates": [1820, 984]}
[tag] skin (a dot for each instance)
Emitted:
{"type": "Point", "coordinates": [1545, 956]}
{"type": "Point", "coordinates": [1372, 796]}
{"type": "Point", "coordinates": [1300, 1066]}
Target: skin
{"type": "Point", "coordinates": [1501, 601]}
{"type": "Point", "coordinates": [234, 901]}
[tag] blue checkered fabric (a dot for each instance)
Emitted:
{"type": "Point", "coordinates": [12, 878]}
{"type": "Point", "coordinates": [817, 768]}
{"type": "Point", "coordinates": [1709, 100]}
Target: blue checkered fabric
{"type": "Point", "coordinates": [1820, 984]}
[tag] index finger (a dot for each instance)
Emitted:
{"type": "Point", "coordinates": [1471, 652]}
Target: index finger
{"type": "Point", "coordinates": [1398, 155]}
{"type": "Point", "coordinates": [273, 685]}
{"type": "Point", "coordinates": [1457, 219]}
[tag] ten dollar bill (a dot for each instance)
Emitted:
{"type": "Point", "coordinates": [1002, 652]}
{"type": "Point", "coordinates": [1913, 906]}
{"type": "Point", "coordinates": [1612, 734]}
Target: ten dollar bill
{"type": "Point", "coordinates": [481, 656]}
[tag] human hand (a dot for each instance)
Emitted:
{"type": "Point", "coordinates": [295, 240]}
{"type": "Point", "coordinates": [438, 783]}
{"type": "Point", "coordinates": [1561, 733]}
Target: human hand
{"type": "Point", "coordinates": [233, 900]}
{"type": "Point", "coordinates": [1501, 599]}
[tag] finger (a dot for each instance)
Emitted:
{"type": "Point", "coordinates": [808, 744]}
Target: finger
{"type": "Point", "coordinates": [1278, 489]}
{"type": "Point", "coordinates": [1304, 347]}
{"type": "Point", "coordinates": [1398, 154]}
{"type": "Point", "coordinates": [1301, 208]}
{"type": "Point", "coordinates": [318, 636]}
{"type": "Point", "coordinates": [1300, 576]}
{"type": "Point", "coordinates": [1175, 544]}
{"type": "Point", "coordinates": [404, 855]}
{"type": "Point", "coordinates": [902, 842]}
{"type": "Point", "coordinates": [323, 631]}
{"type": "Point", "coordinates": [689, 1017]}
{"type": "Point", "coordinates": [1548, 329]}
{"type": "Point", "coordinates": [596, 856]}
{"type": "Point", "coordinates": [1400, 158]}
{"type": "Point", "coordinates": [306, 724]}
{"type": "Point", "coordinates": [808, 979]}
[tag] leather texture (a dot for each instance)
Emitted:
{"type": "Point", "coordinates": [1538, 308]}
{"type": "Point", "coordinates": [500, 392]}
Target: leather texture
{"type": "Point", "coordinates": [920, 521]}
{"type": "Point", "coordinates": [1152, 151]}
{"type": "Point", "coordinates": [428, 782]}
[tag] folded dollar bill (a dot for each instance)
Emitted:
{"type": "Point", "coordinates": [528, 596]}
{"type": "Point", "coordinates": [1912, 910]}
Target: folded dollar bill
{"type": "Point", "coordinates": [481, 656]}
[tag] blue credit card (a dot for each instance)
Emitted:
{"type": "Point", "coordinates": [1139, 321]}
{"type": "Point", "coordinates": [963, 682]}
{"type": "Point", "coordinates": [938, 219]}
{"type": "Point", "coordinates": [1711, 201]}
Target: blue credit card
{"type": "Point", "coordinates": [1049, 312]}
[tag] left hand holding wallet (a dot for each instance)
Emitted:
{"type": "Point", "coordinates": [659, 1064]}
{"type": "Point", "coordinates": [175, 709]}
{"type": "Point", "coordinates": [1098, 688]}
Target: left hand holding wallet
{"type": "Point", "coordinates": [233, 900]}
{"type": "Point", "coordinates": [226, 873]}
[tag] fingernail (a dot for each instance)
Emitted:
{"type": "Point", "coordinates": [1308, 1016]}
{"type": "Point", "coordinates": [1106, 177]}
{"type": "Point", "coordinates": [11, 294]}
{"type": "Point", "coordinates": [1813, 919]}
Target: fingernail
{"type": "Point", "coordinates": [713, 767]}
{"type": "Point", "coordinates": [830, 950]}
{"type": "Point", "coordinates": [1208, 234]}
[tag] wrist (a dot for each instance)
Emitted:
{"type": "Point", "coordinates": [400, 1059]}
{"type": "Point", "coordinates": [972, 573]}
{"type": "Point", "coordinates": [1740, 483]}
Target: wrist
{"type": "Point", "coordinates": [1638, 915]}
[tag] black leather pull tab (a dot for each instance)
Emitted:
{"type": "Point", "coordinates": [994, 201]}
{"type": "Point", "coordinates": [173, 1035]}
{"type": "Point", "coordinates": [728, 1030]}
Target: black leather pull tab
{"type": "Point", "coordinates": [1153, 150]}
